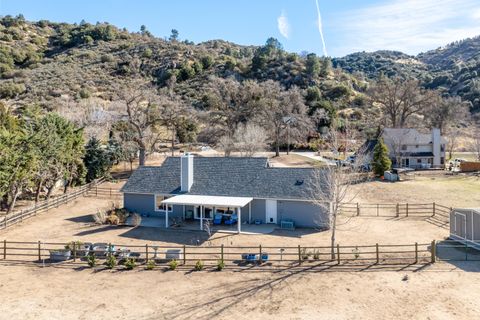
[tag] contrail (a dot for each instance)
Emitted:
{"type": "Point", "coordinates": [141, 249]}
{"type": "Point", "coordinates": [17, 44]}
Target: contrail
{"type": "Point", "coordinates": [320, 30]}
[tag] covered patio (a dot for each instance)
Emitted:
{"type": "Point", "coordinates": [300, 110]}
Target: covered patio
{"type": "Point", "coordinates": [214, 208]}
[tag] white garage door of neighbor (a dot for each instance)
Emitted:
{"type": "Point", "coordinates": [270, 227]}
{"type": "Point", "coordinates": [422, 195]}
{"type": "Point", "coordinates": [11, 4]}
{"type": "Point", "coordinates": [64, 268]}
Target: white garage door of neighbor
{"type": "Point", "coordinates": [271, 211]}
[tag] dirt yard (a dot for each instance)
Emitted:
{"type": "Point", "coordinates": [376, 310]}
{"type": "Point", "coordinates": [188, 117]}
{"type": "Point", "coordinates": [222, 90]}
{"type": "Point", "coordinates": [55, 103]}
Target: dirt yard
{"type": "Point", "coordinates": [440, 291]}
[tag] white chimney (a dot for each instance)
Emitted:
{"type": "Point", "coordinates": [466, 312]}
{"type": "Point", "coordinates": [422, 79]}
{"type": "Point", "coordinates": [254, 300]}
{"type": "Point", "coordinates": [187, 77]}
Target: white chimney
{"type": "Point", "coordinates": [186, 172]}
{"type": "Point", "coordinates": [436, 142]}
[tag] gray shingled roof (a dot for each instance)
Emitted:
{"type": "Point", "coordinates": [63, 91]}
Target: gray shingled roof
{"type": "Point", "coordinates": [247, 177]}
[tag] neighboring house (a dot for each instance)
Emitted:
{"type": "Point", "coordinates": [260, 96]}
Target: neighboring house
{"type": "Point", "coordinates": [409, 148]}
{"type": "Point", "coordinates": [197, 188]}
{"type": "Point", "coordinates": [465, 226]}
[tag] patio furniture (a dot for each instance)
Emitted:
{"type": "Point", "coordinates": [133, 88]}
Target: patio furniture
{"type": "Point", "coordinates": [287, 224]}
{"type": "Point", "coordinates": [218, 218]}
{"type": "Point", "coordinates": [173, 254]}
{"type": "Point", "coordinates": [123, 253]}
{"type": "Point", "coordinates": [257, 221]}
{"type": "Point", "coordinates": [250, 257]}
{"type": "Point", "coordinates": [102, 249]}
{"type": "Point", "coordinates": [232, 220]}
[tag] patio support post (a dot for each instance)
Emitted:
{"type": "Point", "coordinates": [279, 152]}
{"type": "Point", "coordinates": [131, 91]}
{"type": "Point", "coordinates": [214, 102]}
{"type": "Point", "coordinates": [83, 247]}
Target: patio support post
{"type": "Point", "coordinates": [201, 217]}
{"type": "Point", "coordinates": [239, 222]}
{"type": "Point", "coordinates": [166, 218]}
{"type": "Point", "coordinates": [183, 212]}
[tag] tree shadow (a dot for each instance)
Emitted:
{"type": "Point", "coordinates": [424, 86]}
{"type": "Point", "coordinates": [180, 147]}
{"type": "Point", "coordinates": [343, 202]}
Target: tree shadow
{"type": "Point", "coordinates": [184, 237]}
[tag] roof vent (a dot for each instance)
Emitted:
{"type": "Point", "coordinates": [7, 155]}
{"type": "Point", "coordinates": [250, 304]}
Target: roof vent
{"type": "Point", "coordinates": [299, 182]}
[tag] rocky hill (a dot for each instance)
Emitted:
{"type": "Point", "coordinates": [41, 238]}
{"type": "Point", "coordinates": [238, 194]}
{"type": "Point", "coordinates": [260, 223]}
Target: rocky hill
{"type": "Point", "coordinates": [454, 69]}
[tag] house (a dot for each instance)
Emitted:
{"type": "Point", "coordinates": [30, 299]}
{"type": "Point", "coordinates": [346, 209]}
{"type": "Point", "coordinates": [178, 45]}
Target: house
{"type": "Point", "coordinates": [411, 149]}
{"type": "Point", "coordinates": [199, 188]}
{"type": "Point", "coordinates": [465, 226]}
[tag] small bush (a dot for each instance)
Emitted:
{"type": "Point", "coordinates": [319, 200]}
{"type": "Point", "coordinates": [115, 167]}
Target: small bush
{"type": "Point", "coordinates": [74, 245]}
{"type": "Point", "coordinates": [100, 217]}
{"type": "Point", "coordinates": [199, 265]}
{"type": "Point", "coordinates": [316, 255]}
{"type": "Point", "coordinates": [111, 262]}
{"type": "Point", "coordinates": [92, 261]}
{"type": "Point", "coordinates": [173, 264]}
{"type": "Point", "coordinates": [220, 265]}
{"type": "Point", "coordinates": [136, 219]}
{"type": "Point", "coordinates": [113, 219]}
{"type": "Point", "coordinates": [305, 255]}
{"type": "Point", "coordinates": [150, 265]}
{"type": "Point", "coordinates": [130, 263]}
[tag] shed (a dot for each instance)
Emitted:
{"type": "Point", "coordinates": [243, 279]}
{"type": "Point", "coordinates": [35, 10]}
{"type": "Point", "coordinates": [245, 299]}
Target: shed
{"type": "Point", "coordinates": [465, 226]}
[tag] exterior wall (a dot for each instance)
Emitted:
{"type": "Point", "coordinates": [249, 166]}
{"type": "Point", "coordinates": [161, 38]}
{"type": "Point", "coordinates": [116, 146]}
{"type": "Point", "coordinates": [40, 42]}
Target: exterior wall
{"type": "Point", "coordinates": [465, 225]}
{"type": "Point", "coordinates": [258, 210]}
{"type": "Point", "coordinates": [144, 204]}
{"type": "Point", "coordinates": [303, 213]}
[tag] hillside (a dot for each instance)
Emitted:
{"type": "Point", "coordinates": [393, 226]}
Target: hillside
{"type": "Point", "coordinates": [453, 69]}
{"type": "Point", "coordinates": [41, 62]}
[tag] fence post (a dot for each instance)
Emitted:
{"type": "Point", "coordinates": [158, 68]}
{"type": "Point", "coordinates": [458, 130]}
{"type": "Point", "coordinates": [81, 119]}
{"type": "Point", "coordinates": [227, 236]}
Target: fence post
{"type": "Point", "coordinates": [110, 192]}
{"type": "Point", "coordinates": [96, 191]}
{"type": "Point", "coordinates": [378, 209]}
{"type": "Point", "coordinates": [4, 249]}
{"type": "Point", "coordinates": [39, 251]}
{"type": "Point", "coordinates": [184, 255]}
{"type": "Point", "coordinates": [299, 255]}
{"type": "Point", "coordinates": [221, 253]}
{"type": "Point", "coordinates": [416, 252]}
{"type": "Point", "coordinates": [260, 249]}
{"type": "Point", "coordinates": [358, 209]}
{"type": "Point", "coordinates": [146, 253]}
{"type": "Point", "coordinates": [398, 210]}
{"type": "Point", "coordinates": [433, 249]}
{"type": "Point", "coordinates": [74, 251]}
{"type": "Point", "coordinates": [378, 253]}
{"type": "Point", "coordinates": [406, 208]}
{"type": "Point", "coordinates": [338, 253]}
{"type": "Point", "coordinates": [433, 210]}
{"type": "Point", "coordinates": [466, 250]}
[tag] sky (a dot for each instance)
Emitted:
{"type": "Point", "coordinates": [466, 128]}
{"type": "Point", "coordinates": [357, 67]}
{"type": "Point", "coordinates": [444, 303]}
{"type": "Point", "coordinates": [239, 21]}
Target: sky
{"type": "Point", "coordinates": [346, 26]}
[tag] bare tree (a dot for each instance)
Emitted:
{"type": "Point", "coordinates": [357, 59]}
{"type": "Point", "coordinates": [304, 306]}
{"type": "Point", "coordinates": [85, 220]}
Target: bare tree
{"type": "Point", "coordinates": [227, 144]}
{"type": "Point", "coordinates": [400, 99]}
{"type": "Point", "coordinates": [331, 186]}
{"type": "Point", "coordinates": [249, 138]}
{"type": "Point", "coordinates": [445, 111]}
{"type": "Point", "coordinates": [143, 116]}
{"type": "Point", "coordinates": [452, 140]}
{"type": "Point", "coordinates": [476, 143]}
{"type": "Point", "coordinates": [173, 113]}
{"type": "Point", "coordinates": [276, 105]}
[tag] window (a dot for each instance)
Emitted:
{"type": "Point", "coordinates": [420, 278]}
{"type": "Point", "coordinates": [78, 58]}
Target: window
{"type": "Point", "coordinates": [404, 147]}
{"type": "Point", "coordinates": [159, 206]}
{"type": "Point", "coordinates": [416, 146]}
{"type": "Point", "coordinates": [442, 148]}
{"type": "Point", "coordinates": [419, 160]}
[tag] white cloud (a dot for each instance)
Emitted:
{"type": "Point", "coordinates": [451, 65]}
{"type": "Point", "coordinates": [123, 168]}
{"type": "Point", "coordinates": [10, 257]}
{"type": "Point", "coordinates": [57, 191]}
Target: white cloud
{"type": "Point", "coordinates": [410, 26]}
{"type": "Point", "coordinates": [283, 25]}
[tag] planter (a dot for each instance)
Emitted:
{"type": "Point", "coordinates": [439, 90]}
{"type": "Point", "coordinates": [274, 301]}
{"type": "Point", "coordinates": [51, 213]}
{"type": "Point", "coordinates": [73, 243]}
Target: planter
{"type": "Point", "coordinates": [60, 255]}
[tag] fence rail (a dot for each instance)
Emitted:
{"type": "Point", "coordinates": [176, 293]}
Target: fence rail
{"type": "Point", "coordinates": [103, 192]}
{"type": "Point", "coordinates": [396, 209]}
{"type": "Point", "coordinates": [18, 216]}
{"type": "Point", "coordinates": [239, 256]}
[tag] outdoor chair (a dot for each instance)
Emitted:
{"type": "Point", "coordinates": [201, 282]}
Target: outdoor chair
{"type": "Point", "coordinates": [232, 220]}
{"type": "Point", "coordinates": [218, 218]}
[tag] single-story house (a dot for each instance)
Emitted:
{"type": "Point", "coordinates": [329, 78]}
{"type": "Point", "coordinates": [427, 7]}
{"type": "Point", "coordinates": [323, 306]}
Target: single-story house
{"type": "Point", "coordinates": [200, 188]}
{"type": "Point", "coordinates": [465, 226]}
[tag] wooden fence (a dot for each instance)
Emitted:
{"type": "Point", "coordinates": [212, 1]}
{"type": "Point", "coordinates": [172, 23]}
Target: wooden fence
{"type": "Point", "coordinates": [397, 209]}
{"type": "Point", "coordinates": [18, 216]}
{"type": "Point", "coordinates": [233, 256]}
{"type": "Point", "coordinates": [104, 192]}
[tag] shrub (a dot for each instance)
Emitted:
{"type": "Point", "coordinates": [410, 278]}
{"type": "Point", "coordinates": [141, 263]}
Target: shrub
{"type": "Point", "coordinates": [147, 53]}
{"type": "Point", "coordinates": [100, 217]}
{"type": "Point", "coordinates": [74, 244]}
{"type": "Point", "coordinates": [173, 264]}
{"type": "Point", "coordinates": [316, 255]}
{"type": "Point", "coordinates": [84, 93]}
{"type": "Point", "coordinates": [130, 263]}
{"type": "Point", "coordinates": [199, 265]}
{"type": "Point", "coordinates": [305, 254]}
{"type": "Point", "coordinates": [150, 265]}
{"type": "Point", "coordinates": [113, 219]}
{"type": "Point", "coordinates": [107, 58]}
{"type": "Point", "coordinates": [92, 261]}
{"type": "Point", "coordinates": [111, 261]}
{"type": "Point", "coordinates": [220, 265]}
{"type": "Point", "coordinates": [136, 219]}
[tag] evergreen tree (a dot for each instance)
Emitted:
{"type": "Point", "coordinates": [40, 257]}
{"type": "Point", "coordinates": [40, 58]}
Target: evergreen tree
{"type": "Point", "coordinates": [97, 160]}
{"type": "Point", "coordinates": [381, 161]}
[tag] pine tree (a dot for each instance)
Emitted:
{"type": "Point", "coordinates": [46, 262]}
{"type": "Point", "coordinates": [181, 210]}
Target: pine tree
{"type": "Point", "coordinates": [381, 161]}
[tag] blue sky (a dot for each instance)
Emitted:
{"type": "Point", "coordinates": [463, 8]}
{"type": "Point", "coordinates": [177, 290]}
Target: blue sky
{"type": "Point", "coordinates": [411, 26]}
